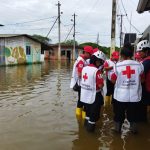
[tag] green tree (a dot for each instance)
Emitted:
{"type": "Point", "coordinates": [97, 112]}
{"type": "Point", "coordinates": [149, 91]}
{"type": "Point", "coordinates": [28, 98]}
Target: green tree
{"type": "Point", "coordinates": [104, 49]}
{"type": "Point", "coordinates": [70, 42]}
{"type": "Point", "coordinates": [42, 38]}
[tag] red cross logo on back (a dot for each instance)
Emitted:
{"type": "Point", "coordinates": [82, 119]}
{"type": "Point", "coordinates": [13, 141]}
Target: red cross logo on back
{"type": "Point", "coordinates": [128, 72]}
{"type": "Point", "coordinates": [85, 77]}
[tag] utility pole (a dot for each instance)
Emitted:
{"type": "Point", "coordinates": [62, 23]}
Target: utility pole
{"type": "Point", "coordinates": [97, 39]}
{"type": "Point", "coordinates": [121, 33]}
{"type": "Point", "coordinates": [59, 34]}
{"type": "Point", "coordinates": [74, 36]}
{"type": "Point", "coordinates": [113, 26]}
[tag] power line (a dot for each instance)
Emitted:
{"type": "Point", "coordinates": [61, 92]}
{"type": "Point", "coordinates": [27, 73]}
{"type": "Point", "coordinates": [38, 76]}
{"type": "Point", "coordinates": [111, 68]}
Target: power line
{"type": "Point", "coordinates": [89, 11]}
{"type": "Point", "coordinates": [27, 29]}
{"type": "Point", "coordinates": [128, 18]}
{"type": "Point", "coordinates": [65, 25]}
{"type": "Point", "coordinates": [29, 21]}
{"type": "Point", "coordinates": [124, 27]}
{"type": "Point", "coordinates": [68, 33]}
{"type": "Point", "coordinates": [52, 27]}
{"type": "Point", "coordinates": [93, 35]}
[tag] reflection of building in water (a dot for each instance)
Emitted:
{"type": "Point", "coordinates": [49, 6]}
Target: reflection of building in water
{"type": "Point", "coordinates": [21, 75]}
{"type": "Point", "coordinates": [3, 79]}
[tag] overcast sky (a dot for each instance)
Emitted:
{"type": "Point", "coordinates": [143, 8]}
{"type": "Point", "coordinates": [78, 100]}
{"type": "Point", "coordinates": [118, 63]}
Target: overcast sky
{"type": "Point", "coordinates": [93, 17]}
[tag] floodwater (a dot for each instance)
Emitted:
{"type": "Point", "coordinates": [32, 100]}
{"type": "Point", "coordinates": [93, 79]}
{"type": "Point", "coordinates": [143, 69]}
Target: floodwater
{"type": "Point", "coordinates": [37, 112]}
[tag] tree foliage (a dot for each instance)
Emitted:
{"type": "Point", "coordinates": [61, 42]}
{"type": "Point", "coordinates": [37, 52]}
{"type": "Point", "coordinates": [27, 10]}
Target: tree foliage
{"type": "Point", "coordinates": [42, 38]}
{"type": "Point", "coordinates": [104, 49]}
{"type": "Point", "coordinates": [70, 42]}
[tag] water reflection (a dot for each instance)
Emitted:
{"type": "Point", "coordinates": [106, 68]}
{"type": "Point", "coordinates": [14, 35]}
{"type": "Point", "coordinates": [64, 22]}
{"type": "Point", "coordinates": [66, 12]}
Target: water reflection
{"type": "Point", "coordinates": [85, 140]}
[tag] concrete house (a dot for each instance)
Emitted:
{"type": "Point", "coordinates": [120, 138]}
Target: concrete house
{"type": "Point", "coordinates": [144, 5]}
{"type": "Point", "coordinates": [66, 52]}
{"type": "Point", "coordinates": [20, 49]}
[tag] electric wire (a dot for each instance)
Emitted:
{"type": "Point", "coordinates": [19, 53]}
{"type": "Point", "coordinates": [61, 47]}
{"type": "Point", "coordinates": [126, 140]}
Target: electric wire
{"type": "Point", "coordinates": [31, 21]}
{"type": "Point", "coordinates": [68, 34]}
{"type": "Point", "coordinates": [52, 27]}
{"type": "Point", "coordinates": [128, 18]}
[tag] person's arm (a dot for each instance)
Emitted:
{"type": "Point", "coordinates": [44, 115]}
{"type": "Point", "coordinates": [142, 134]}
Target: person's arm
{"type": "Point", "coordinates": [79, 68]}
{"type": "Point", "coordinates": [142, 76]}
{"type": "Point", "coordinates": [113, 78]}
{"type": "Point", "coordinates": [99, 80]}
{"type": "Point", "coordinates": [107, 67]}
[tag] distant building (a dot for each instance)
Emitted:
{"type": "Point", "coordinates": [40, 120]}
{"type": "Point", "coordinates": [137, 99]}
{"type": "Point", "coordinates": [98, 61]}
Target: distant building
{"type": "Point", "coordinates": [66, 52]}
{"type": "Point", "coordinates": [143, 5]}
{"type": "Point", "coordinates": [146, 34]}
{"type": "Point", "coordinates": [20, 49]}
{"type": "Point", "coordinates": [129, 38]}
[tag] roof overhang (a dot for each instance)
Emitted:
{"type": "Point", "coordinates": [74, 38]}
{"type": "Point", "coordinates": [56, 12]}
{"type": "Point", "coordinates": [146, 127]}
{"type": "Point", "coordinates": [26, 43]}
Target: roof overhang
{"type": "Point", "coordinates": [143, 5]}
{"type": "Point", "coordinates": [44, 46]}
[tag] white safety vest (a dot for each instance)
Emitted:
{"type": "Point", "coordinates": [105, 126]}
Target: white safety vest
{"type": "Point", "coordinates": [128, 84]}
{"type": "Point", "coordinates": [88, 85]}
{"type": "Point", "coordinates": [75, 79]}
{"type": "Point", "coordinates": [87, 62]}
{"type": "Point", "coordinates": [111, 64]}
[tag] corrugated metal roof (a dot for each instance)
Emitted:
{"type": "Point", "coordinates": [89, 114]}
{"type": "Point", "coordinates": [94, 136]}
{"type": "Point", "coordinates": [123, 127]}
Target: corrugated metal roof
{"type": "Point", "coordinates": [9, 35]}
{"type": "Point", "coordinates": [43, 45]}
{"type": "Point", "coordinates": [143, 5]}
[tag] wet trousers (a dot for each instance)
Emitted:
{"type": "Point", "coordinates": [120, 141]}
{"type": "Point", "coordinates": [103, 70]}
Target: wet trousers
{"type": "Point", "coordinates": [79, 103]}
{"type": "Point", "coordinates": [110, 87]}
{"type": "Point", "coordinates": [93, 110]}
{"type": "Point", "coordinates": [125, 109]}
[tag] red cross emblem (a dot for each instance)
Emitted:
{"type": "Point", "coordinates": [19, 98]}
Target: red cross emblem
{"type": "Point", "coordinates": [85, 77]}
{"type": "Point", "coordinates": [128, 72]}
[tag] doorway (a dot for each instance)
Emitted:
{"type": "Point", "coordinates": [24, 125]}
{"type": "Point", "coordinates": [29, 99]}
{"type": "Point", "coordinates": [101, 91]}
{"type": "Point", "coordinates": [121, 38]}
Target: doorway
{"type": "Point", "coordinates": [69, 55]}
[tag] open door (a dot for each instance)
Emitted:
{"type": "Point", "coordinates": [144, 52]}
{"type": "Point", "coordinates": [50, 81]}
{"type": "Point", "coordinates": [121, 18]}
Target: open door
{"type": "Point", "coordinates": [69, 55]}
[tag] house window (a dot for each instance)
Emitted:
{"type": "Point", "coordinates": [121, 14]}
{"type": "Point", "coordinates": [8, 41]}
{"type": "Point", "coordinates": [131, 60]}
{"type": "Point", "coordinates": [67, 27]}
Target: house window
{"type": "Point", "coordinates": [63, 53]}
{"type": "Point", "coordinates": [28, 50]}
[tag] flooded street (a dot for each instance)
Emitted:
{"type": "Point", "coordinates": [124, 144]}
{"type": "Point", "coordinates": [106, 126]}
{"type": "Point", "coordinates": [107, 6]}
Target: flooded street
{"type": "Point", "coordinates": [37, 112]}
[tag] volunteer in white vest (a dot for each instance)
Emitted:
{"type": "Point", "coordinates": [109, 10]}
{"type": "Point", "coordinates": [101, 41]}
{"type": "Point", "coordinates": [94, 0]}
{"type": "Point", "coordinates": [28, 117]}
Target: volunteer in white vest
{"type": "Point", "coordinates": [76, 77]}
{"type": "Point", "coordinates": [128, 90]}
{"type": "Point", "coordinates": [91, 89]}
{"type": "Point", "coordinates": [109, 68]}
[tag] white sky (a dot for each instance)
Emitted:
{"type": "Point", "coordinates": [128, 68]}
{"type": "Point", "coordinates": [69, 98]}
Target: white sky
{"type": "Point", "coordinates": [94, 16]}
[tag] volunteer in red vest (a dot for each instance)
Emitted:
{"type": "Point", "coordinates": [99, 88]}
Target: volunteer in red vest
{"type": "Point", "coordinates": [128, 90]}
{"type": "Point", "coordinates": [91, 89]}
{"type": "Point", "coordinates": [143, 48]}
{"type": "Point", "coordinates": [76, 76]}
{"type": "Point", "coordinates": [108, 67]}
